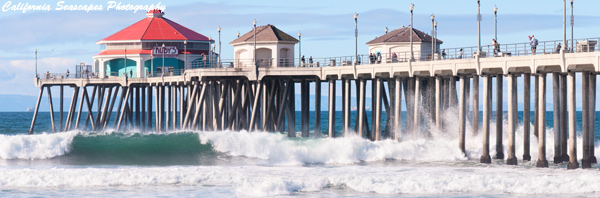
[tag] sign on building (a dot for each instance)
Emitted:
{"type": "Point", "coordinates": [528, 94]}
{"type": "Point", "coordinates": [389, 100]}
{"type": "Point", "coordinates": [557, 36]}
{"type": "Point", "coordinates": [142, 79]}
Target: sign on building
{"type": "Point", "coordinates": [168, 51]}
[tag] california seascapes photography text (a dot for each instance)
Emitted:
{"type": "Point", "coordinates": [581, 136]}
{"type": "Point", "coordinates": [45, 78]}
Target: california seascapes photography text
{"type": "Point", "coordinates": [25, 7]}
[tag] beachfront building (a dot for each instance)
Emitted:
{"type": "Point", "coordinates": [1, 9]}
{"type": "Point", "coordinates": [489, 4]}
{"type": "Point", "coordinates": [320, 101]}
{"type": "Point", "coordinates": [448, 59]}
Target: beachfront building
{"type": "Point", "coordinates": [398, 41]}
{"type": "Point", "coordinates": [138, 49]}
{"type": "Point", "coordinates": [274, 48]}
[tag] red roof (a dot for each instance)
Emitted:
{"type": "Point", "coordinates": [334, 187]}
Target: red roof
{"type": "Point", "coordinates": [156, 27]}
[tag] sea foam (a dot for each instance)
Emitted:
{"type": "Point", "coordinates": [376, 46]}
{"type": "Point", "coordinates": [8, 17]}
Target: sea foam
{"type": "Point", "coordinates": [270, 181]}
{"type": "Point", "coordinates": [277, 149]}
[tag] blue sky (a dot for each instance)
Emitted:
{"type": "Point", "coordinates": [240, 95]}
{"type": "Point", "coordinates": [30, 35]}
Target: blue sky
{"type": "Point", "coordinates": [65, 38]}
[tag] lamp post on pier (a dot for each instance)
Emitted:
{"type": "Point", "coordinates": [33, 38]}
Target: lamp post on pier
{"type": "Point", "coordinates": [495, 23]}
{"type": "Point", "coordinates": [163, 56]}
{"type": "Point", "coordinates": [209, 50]}
{"type": "Point", "coordinates": [219, 62]}
{"type": "Point", "coordinates": [435, 36]}
{"type": "Point", "coordinates": [564, 25]}
{"type": "Point", "coordinates": [355, 40]}
{"type": "Point", "coordinates": [412, 56]}
{"type": "Point", "coordinates": [572, 23]}
{"type": "Point", "coordinates": [125, 62]}
{"type": "Point", "coordinates": [299, 49]}
{"type": "Point", "coordinates": [36, 73]}
{"type": "Point", "coordinates": [255, 64]}
{"type": "Point", "coordinates": [185, 54]}
{"type": "Point", "coordinates": [479, 27]}
{"type": "Point", "coordinates": [432, 37]}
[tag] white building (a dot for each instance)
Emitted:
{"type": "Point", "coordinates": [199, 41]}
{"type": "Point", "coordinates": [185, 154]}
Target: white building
{"type": "Point", "coordinates": [274, 48]}
{"type": "Point", "coordinates": [398, 41]}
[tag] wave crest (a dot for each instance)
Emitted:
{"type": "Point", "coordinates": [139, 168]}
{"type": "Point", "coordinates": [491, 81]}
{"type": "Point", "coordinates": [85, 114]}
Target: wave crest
{"type": "Point", "coordinates": [36, 146]}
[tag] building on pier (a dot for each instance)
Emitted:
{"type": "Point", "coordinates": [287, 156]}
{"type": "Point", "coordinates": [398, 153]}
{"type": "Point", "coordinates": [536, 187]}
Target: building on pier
{"type": "Point", "coordinates": [398, 41]}
{"type": "Point", "coordinates": [137, 49]}
{"type": "Point", "coordinates": [274, 48]}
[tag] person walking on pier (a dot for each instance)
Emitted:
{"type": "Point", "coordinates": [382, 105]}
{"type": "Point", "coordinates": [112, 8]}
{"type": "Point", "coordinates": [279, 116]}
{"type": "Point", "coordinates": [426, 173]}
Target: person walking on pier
{"type": "Point", "coordinates": [310, 62]}
{"type": "Point", "coordinates": [303, 61]}
{"type": "Point", "coordinates": [394, 57]}
{"type": "Point", "coordinates": [444, 54]}
{"type": "Point", "coordinates": [204, 60]}
{"type": "Point", "coordinates": [378, 58]}
{"type": "Point", "coordinates": [558, 48]}
{"type": "Point", "coordinates": [496, 47]}
{"type": "Point", "coordinates": [131, 73]}
{"type": "Point", "coordinates": [460, 53]}
{"type": "Point", "coordinates": [371, 58]}
{"type": "Point", "coordinates": [67, 73]}
{"type": "Point", "coordinates": [534, 42]}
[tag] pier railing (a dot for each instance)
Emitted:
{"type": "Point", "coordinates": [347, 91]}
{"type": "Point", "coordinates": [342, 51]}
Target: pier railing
{"type": "Point", "coordinates": [487, 51]}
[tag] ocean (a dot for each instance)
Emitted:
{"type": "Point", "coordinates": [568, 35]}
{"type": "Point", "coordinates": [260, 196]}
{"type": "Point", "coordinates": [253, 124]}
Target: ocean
{"type": "Point", "coordinates": [83, 163]}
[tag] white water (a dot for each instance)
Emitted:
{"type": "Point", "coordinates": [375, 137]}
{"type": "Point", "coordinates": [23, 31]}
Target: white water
{"type": "Point", "coordinates": [269, 181]}
{"type": "Point", "coordinates": [280, 150]}
{"type": "Point", "coordinates": [430, 166]}
{"type": "Point", "coordinates": [39, 146]}
{"type": "Point", "coordinates": [277, 149]}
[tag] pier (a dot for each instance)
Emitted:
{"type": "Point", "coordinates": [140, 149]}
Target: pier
{"type": "Point", "coordinates": [258, 94]}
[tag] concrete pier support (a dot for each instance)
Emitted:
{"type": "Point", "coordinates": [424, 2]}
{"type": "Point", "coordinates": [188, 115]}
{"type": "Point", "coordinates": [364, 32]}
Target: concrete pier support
{"type": "Point", "coordinates": [410, 98]}
{"type": "Point", "coordinates": [398, 109]}
{"type": "Point", "coordinates": [542, 162]}
{"type": "Point", "coordinates": [453, 93]}
{"type": "Point", "coordinates": [499, 146]}
{"type": "Point", "coordinates": [431, 98]}
{"type": "Point", "coordinates": [292, 108]}
{"type": "Point", "coordinates": [361, 107]}
{"type": "Point", "coordinates": [377, 118]}
{"type": "Point", "coordinates": [475, 117]}
{"type": "Point", "coordinates": [467, 100]}
{"type": "Point", "coordinates": [37, 108]}
{"type": "Point", "coordinates": [585, 128]}
{"type": "Point", "coordinates": [487, 104]}
{"type": "Point", "coordinates": [143, 107]}
{"type": "Point", "coordinates": [592, 116]}
{"type": "Point", "coordinates": [304, 94]}
{"type": "Point", "coordinates": [52, 110]}
{"type": "Point", "coordinates": [174, 107]}
{"type": "Point", "coordinates": [556, 117]}
{"type": "Point", "coordinates": [167, 93]}
{"type": "Point", "coordinates": [346, 106]}
{"type": "Point", "coordinates": [149, 106]}
{"type": "Point", "coordinates": [417, 107]}
{"type": "Point", "coordinates": [573, 164]}
{"type": "Point", "coordinates": [526, 116]}
{"type": "Point", "coordinates": [563, 118]}
{"type": "Point", "coordinates": [446, 95]}
{"type": "Point", "coordinates": [60, 106]}
{"type": "Point", "coordinates": [331, 109]}
{"type": "Point", "coordinates": [536, 121]}
{"type": "Point", "coordinates": [462, 112]}
{"type": "Point", "coordinates": [438, 103]}
{"type": "Point", "coordinates": [317, 107]}
{"type": "Point", "coordinates": [512, 119]}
